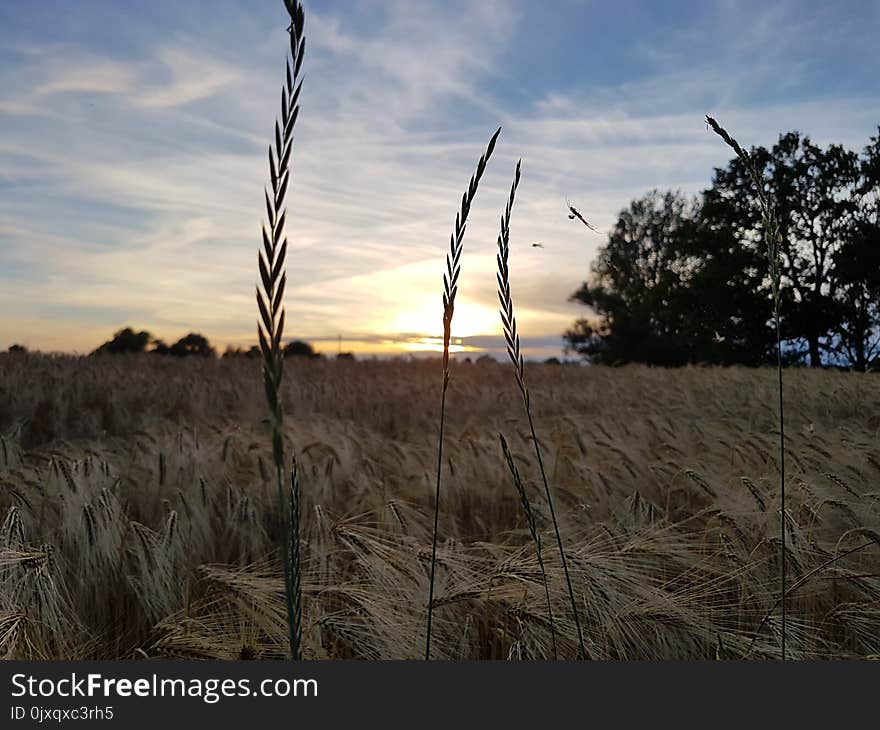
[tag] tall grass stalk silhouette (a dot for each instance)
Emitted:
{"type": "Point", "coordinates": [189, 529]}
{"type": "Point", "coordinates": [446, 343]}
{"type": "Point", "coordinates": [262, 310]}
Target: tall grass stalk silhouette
{"type": "Point", "coordinates": [450, 289]}
{"type": "Point", "coordinates": [533, 531]}
{"type": "Point", "coordinates": [271, 326]}
{"type": "Point", "coordinates": [294, 606]}
{"type": "Point", "coordinates": [508, 320]}
{"type": "Point", "coordinates": [772, 241]}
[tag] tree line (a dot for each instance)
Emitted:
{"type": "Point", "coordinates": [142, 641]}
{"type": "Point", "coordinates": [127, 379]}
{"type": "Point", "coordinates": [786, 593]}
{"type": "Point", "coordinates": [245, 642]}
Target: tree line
{"type": "Point", "coordinates": [684, 280]}
{"type": "Point", "coordinates": [128, 340]}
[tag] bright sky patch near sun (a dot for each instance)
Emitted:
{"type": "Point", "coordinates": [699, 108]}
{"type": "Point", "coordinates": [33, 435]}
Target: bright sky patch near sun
{"type": "Point", "coordinates": [134, 137]}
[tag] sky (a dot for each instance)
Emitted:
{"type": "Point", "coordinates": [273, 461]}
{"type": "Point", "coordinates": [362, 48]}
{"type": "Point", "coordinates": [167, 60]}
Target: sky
{"type": "Point", "coordinates": [133, 142]}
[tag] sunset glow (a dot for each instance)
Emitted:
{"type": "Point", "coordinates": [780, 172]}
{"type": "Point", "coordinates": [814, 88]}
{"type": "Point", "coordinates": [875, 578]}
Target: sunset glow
{"type": "Point", "coordinates": [470, 319]}
{"type": "Point", "coordinates": [144, 129]}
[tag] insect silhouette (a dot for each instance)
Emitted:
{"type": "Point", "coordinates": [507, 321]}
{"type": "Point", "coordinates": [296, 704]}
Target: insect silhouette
{"type": "Point", "coordinates": [574, 213]}
{"type": "Point", "coordinates": [537, 245]}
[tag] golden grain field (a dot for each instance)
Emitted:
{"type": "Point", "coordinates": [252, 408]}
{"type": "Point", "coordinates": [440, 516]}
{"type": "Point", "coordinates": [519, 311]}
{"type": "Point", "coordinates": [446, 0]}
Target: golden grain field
{"type": "Point", "coordinates": [140, 517]}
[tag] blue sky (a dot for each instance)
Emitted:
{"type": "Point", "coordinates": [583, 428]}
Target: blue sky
{"type": "Point", "coordinates": [133, 143]}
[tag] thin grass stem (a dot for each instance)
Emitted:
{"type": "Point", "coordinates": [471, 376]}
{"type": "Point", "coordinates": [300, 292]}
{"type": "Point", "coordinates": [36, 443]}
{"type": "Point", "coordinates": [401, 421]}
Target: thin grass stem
{"type": "Point", "coordinates": [533, 530]}
{"type": "Point", "coordinates": [514, 352]}
{"type": "Point", "coordinates": [773, 241]}
{"type": "Point", "coordinates": [450, 289]}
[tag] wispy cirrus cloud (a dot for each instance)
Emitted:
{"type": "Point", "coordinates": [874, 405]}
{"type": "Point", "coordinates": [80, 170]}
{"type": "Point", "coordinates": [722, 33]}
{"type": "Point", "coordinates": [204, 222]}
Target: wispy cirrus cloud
{"type": "Point", "coordinates": [191, 77]}
{"type": "Point", "coordinates": [132, 164]}
{"type": "Point", "coordinates": [87, 75]}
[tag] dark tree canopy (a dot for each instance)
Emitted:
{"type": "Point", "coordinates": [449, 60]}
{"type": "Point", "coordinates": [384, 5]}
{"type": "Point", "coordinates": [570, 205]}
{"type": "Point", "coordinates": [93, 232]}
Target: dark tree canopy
{"type": "Point", "coordinates": [125, 341]}
{"type": "Point", "coordinates": [668, 291]}
{"type": "Point", "coordinates": [683, 281]}
{"type": "Point", "coordinates": [813, 190]}
{"type": "Point", "coordinates": [17, 348]}
{"type": "Point", "coordinates": [634, 286]}
{"type": "Point", "coordinates": [192, 344]}
{"type": "Point", "coordinates": [857, 264]}
{"type": "Point", "coordinates": [298, 348]}
{"type": "Point", "coordinates": [160, 348]}
{"type": "Point", "coordinates": [128, 341]}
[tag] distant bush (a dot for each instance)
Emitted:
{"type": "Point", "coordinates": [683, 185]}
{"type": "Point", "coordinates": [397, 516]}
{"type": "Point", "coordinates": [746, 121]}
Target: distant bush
{"type": "Point", "coordinates": [128, 341]}
{"type": "Point", "coordinates": [298, 348]}
{"type": "Point", "coordinates": [253, 352]}
{"type": "Point", "coordinates": [125, 341]}
{"type": "Point", "coordinates": [192, 344]}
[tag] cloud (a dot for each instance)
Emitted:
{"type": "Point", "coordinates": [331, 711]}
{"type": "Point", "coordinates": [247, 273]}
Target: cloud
{"type": "Point", "coordinates": [88, 75]}
{"type": "Point", "coordinates": [170, 77]}
{"type": "Point", "coordinates": [191, 77]}
{"type": "Point", "coordinates": [419, 58]}
{"type": "Point", "coordinates": [132, 178]}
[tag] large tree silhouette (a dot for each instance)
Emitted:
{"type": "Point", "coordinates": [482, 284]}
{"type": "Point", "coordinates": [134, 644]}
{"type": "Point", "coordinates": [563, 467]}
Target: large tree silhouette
{"type": "Point", "coordinates": [681, 282]}
{"type": "Point", "coordinates": [814, 190]}
{"type": "Point", "coordinates": [857, 264]}
{"type": "Point", "coordinates": [635, 284]}
{"type": "Point", "coordinates": [668, 289]}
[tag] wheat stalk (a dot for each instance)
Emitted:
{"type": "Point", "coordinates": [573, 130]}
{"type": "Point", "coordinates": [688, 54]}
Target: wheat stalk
{"type": "Point", "coordinates": [270, 299]}
{"type": "Point", "coordinates": [450, 289]}
{"type": "Point", "coordinates": [533, 530]}
{"type": "Point", "coordinates": [508, 320]}
{"type": "Point", "coordinates": [773, 240]}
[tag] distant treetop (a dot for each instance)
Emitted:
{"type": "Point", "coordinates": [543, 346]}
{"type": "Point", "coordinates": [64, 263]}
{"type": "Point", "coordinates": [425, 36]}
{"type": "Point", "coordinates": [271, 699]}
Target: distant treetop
{"type": "Point", "coordinates": [128, 341]}
{"type": "Point", "coordinates": [192, 344]}
{"type": "Point", "coordinates": [125, 341]}
{"type": "Point", "coordinates": [298, 348]}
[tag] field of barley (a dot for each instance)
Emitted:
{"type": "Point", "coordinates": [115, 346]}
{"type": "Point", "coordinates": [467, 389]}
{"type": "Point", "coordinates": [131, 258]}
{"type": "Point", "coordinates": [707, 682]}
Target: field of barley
{"type": "Point", "coordinates": [140, 517]}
